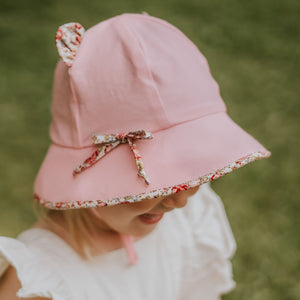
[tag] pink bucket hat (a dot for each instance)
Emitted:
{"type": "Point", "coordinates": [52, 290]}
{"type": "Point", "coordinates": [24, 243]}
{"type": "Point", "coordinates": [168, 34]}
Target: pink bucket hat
{"type": "Point", "coordinates": [136, 114]}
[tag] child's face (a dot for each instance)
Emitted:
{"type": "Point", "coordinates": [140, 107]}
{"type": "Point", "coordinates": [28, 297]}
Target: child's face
{"type": "Point", "coordinates": [131, 219]}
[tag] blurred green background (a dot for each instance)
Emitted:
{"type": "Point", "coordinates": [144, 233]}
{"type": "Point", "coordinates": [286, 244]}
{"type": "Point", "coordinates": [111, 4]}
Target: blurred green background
{"type": "Point", "coordinates": [253, 51]}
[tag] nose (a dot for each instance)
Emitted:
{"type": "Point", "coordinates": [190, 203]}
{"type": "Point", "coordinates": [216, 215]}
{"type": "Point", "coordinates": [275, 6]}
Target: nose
{"type": "Point", "coordinates": [175, 201]}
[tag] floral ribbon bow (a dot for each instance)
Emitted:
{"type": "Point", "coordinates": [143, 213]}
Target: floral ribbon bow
{"type": "Point", "coordinates": [109, 142]}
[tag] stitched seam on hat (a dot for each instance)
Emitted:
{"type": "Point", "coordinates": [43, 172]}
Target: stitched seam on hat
{"type": "Point", "coordinates": [172, 27]}
{"type": "Point", "coordinates": [153, 131]}
{"type": "Point", "coordinates": [190, 120]}
{"type": "Point", "coordinates": [135, 37]}
{"type": "Point", "coordinates": [75, 105]}
{"type": "Point", "coordinates": [183, 35]}
{"type": "Point", "coordinates": [177, 31]}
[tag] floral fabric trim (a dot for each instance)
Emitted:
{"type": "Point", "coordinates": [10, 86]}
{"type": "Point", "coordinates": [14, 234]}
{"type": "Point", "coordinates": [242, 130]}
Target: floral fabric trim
{"type": "Point", "coordinates": [159, 192]}
{"type": "Point", "coordinates": [68, 38]}
{"type": "Point", "coordinates": [110, 141]}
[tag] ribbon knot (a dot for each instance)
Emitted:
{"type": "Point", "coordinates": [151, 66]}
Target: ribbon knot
{"type": "Point", "coordinates": [108, 142]}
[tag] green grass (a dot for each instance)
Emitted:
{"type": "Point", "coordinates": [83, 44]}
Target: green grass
{"type": "Point", "coordinates": [253, 51]}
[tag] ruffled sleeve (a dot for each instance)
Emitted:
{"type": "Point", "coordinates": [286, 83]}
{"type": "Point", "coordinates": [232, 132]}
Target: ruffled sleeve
{"type": "Point", "coordinates": [207, 270]}
{"type": "Point", "coordinates": [37, 278]}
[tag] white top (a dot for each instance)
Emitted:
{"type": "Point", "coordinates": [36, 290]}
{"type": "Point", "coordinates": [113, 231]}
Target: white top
{"type": "Point", "coordinates": [187, 256]}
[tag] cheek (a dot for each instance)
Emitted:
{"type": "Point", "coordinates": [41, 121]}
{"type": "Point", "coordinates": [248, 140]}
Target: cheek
{"type": "Point", "coordinates": [192, 191]}
{"type": "Point", "coordinates": [125, 213]}
{"type": "Point", "coordinates": [142, 207]}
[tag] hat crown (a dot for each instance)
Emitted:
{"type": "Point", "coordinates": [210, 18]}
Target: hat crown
{"type": "Point", "coordinates": [131, 72]}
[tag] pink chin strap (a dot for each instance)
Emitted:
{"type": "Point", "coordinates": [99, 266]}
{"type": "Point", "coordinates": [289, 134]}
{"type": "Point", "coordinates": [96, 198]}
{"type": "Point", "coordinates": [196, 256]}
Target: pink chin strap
{"type": "Point", "coordinates": [127, 241]}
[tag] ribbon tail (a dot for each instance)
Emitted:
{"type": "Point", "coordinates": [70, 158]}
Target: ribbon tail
{"type": "Point", "coordinates": [96, 156]}
{"type": "Point", "coordinates": [139, 162]}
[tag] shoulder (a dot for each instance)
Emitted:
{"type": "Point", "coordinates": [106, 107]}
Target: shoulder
{"type": "Point", "coordinates": [35, 265]}
{"type": "Point", "coordinates": [208, 222]}
{"type": "Point", "coordinates": [10, 284]}
{"type": "Point", "coordinates": [210, 246]}
{"type": "Point", "coordinates": [206, 206]}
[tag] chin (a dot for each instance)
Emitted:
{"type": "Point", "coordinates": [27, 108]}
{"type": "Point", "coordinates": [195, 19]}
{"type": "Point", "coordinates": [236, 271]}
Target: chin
{"type": "Point", "coordinates": [143, 231]}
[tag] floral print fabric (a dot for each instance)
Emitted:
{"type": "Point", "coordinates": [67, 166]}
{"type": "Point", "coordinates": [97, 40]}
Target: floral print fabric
{"type": "Point", "coordinates": [68, 38]}
{"type": "Point", "coordinates": [158, 192]}
{"type": "Point", "coordinates": [110, 141]}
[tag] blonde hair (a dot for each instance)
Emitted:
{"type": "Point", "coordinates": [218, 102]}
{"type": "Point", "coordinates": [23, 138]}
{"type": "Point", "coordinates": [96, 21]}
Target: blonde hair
{"type": "Point", "coordinates": [80, 225]}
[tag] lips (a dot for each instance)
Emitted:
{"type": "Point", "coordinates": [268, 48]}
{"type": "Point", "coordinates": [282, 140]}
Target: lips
{"type": "Point", "coordinates": [150, 218]}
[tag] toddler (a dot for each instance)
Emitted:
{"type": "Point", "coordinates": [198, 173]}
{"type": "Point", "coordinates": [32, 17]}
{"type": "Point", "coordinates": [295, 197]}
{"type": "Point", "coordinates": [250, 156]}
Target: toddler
{"type": "Point", "coordinates": [138, 131]}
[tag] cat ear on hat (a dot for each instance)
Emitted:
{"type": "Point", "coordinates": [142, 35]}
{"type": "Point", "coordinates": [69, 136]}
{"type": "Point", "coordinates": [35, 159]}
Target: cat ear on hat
{"type": "Point", "coordinates": [68, 39]}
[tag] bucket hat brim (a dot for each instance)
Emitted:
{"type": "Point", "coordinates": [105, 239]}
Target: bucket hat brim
{"type": "Point", "coordinates": [176, 158]}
